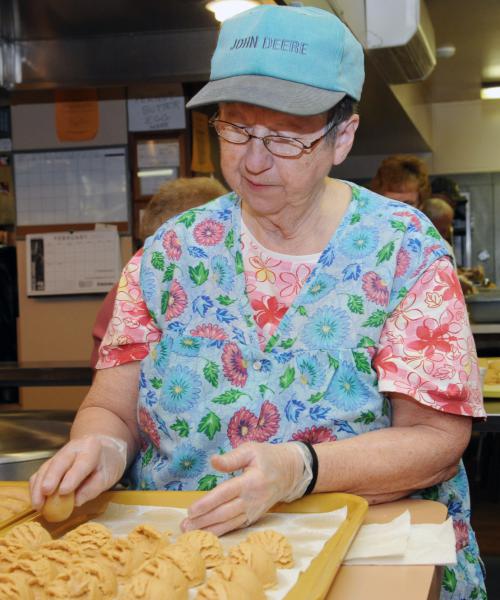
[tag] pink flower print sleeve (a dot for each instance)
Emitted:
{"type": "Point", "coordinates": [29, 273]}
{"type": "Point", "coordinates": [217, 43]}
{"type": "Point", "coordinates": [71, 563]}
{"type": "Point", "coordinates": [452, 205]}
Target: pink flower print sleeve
{"type": "Point", "coordinates": [131, 330]}
{"type": "Point", "coordinates": [426, 349]}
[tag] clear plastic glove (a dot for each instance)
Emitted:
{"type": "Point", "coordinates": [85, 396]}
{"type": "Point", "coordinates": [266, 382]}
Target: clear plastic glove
{"type": "Point", "coordinates": [87, 465]}
{"type": "Point", "coordinates": [271, 473]}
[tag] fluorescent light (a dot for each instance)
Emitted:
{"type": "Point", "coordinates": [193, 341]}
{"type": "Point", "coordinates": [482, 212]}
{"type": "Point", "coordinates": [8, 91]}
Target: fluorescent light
{"type": "Point", "coordinates": [155, 172]}
{"type": "Point", "coordinates": [490, 92]}
{"type": "Point", "coordinates": [225, 9]}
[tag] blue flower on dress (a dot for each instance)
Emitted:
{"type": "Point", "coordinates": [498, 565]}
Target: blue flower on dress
{"type": "Point", "coordinates": [160, 353]}
{"type": "Point", "coordinates": [187, 461]}
{"type": "Point", "coordinates": [174, 486]}
{"type": "Point", "coordinates": [346, 391]}
{"type": "Point", "coordinates": [415, 245]}
{"type": "Point", "coordinates": [322, 285]}
{"type": "Point", "coordinates": [293, 409]}
{"type": "Point", "coordinates": [327, 256]}
{"type": "Point", "coordinates": [311, 373]}
{"type": "Point", "coordinates": [359, 241]}
{"type": "Point", "coordinates": [222, 273]}
{"type": "Point", "coordinates": [327, 329]}
{"type": "Point", "coordinates": [181, 390]}
{"type": "Point", "coordinates": [148, 282]}
{"type": "Point", "coordinates": [187, 346]}
{"type": "Point", "coordinates": [265, 366]}
{"type": "Point", "coordinates": [351, 272]}
{"type": "Point", "coordinates": [363, 203]}
{"type": "Point", "coordinates": [147, 482]}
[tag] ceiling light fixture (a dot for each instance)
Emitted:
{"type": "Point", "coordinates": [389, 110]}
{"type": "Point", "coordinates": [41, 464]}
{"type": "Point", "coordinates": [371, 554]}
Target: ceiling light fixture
{"type": "Point", "coordinates": [490, 90]}
{"type": "Point", "coordinates": [225, 9]}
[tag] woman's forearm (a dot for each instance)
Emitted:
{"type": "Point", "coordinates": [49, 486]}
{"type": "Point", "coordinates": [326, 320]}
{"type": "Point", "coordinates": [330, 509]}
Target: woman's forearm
{"type": "Point", "coordinates": [391, 463]}
{"type": "Point", "coordinates": [110, 407]}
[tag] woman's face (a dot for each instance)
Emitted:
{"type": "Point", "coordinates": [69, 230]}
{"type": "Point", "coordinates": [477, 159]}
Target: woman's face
{"type": "Point", "coordinates": [269, 184]}
{"type": "Point", "coordinates": [408, 193]}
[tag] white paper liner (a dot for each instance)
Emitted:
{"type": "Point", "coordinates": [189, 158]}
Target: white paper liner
{"type": "Point", "coordinates": [307, 533]}
{"type": "Point", "coordinates": [400, 543]}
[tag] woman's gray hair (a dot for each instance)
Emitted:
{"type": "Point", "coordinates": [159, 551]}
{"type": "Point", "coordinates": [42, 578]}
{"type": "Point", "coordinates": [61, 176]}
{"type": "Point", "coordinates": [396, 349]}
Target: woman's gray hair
{"type": "Point", "coordinates": [339, 113]}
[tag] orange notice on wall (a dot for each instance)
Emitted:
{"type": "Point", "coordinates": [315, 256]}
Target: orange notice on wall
{"type": "Point", "coordinates": [202, 159]}
{"type": "Point", "coordinates": [77, 115]}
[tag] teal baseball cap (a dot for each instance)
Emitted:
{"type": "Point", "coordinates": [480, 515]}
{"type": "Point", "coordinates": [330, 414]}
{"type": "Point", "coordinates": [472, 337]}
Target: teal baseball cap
{"type": "Point", "coordinates": [297, 60]}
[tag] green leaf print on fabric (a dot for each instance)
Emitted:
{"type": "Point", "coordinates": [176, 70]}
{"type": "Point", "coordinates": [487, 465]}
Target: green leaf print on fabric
{"type": "Point", "coordinates": [158, 261]}
{"type": "Point", "coordinates": [209, 425]}
{"type": "Point", "coordinates": [229, 241]}
{"type": "Point", "coordinates": [469, 556]}
{"type": "Point", "coordinates": [315, 397]}
{"type": "Point", "coordinates": [302, 311]}
{"type": "Point", "coordinates": [402, 293]}
{"type": "Point", "coordinates": [239, 263]}
{"type": "Point", "coordinates": [187, 219]}
{"type": "Point", "coordinates": [366, 342]}
{"type": "Point", "coordinates": [376, 319]}
{"type": "Point", "coordinates": [228, 397]}
{"type": "Point", "coordinates": [285, 344]}
{"type": "Point", "coordinates": [433, 233]}
{"type": "Point", "coordinates": [156, 382]}
{"type": "Point", "coordinates": [449, 580]}
{"type": "Point", "coordinates": [287, 378]}
{"type": "Point", "coordinates": [431, 493]}
{"type": "Point", "coordinates": [366, 418]}
{"type": "Point", "coordinates": [385, 253]}
{"type": "Point", "coordinates": [398, 226]}
{"type": "Point", "coordinates": [198, 274]}
{"type": "Point", "coordinates": [181, 426]}
{"type": "Point", "coordinates": [385, 406]}
{"type": "Point", "coordinates": [355, 304]}
{"type": "Point", "coordinates": [361, 362]}
{"type": "Point", "coordinates": [263, 388]}
{"type": "Point", "coordinates": [225, 300]}
{"type": "Point", "coordinates": [211, 373]}
{"type": "Point", "coordinates": [207, 483]}
{"type": "Point", "coordinates": [169, 273]}
{"type": "Point", "coordinates": [165, 297]}
{"type": "Point", "coordinates": [356, 218]}
{"type": "Point", "coordinates": [147, 456]}
{"type": "Point", "coordinates": [271, 342]}
{"type": "Point", "coordinates": [333, 362]}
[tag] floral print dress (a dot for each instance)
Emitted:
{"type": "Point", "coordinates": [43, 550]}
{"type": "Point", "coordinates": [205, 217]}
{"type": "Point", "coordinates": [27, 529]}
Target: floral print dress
{"type": "Point", "coordinates": [226, 358]}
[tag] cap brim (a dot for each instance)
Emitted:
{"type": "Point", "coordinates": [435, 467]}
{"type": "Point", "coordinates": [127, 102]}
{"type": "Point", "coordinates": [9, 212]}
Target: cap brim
{"type": "Point", "coordinates": [268, 92]}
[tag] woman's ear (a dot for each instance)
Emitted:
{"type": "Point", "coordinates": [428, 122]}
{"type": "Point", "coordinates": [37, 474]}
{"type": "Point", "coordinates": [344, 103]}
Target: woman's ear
{"type": "Point", "coordinates": [344, 139]}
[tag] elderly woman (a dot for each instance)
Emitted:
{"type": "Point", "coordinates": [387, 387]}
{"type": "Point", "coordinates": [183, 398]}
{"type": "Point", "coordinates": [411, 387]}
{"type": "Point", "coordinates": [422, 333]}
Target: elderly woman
{"type": "Point", "coordinates": [300, 332]}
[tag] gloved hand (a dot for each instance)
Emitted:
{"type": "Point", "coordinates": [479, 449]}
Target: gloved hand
{"type": "Point", "coordinates": [271, 473]}
{"type": "Point", "coordinates": [87, 465]}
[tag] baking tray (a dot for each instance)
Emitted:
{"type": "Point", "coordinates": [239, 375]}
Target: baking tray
{"type": "Point", "coordinates": [5, 523]}
{"type": "Point", "coordinates": [313, 584]}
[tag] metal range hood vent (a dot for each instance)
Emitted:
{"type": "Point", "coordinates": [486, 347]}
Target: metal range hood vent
{"type": "Point", "coordinates": [55, 43]}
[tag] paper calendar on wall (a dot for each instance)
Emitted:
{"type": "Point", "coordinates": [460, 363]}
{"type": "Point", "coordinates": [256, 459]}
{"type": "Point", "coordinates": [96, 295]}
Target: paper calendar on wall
{"type": "Point", "coordinates": [80, 262]}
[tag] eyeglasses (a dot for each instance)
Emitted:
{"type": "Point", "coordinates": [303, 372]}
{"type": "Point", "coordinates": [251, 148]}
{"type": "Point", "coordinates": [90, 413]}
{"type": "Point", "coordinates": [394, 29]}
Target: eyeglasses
{"type": "Point", "coordinates": [279, 145]}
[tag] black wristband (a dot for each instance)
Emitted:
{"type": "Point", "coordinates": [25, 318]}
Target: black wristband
{"type": "Point", "coordinates": [314, 467]}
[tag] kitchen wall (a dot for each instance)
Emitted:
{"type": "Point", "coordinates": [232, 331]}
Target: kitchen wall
{"type": "Point", "coordinates": [59, 328]}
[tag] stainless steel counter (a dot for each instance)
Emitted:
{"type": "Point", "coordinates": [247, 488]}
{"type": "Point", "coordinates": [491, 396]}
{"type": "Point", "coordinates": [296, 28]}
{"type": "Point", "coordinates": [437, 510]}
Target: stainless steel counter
{"type": "Point", "coordinates": [28, 438]}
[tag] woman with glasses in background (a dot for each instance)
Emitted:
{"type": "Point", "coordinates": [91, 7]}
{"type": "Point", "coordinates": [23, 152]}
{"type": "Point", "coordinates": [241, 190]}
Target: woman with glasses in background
{"type": "Point", "coordinates": [300, 334]}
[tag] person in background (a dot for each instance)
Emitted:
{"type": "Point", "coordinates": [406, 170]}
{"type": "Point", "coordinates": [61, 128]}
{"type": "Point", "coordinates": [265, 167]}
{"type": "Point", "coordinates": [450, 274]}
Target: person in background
{"type": "Point", "coordinates": [402, 177]}
{"type": "Point", "coordinates": [449, 190]}
{"type": "Point", "coordinates": [441, 214]}
{"type": "Point", "coordinates": [300, 334]}
{"type": "Point", "coordinates": [172, 198]}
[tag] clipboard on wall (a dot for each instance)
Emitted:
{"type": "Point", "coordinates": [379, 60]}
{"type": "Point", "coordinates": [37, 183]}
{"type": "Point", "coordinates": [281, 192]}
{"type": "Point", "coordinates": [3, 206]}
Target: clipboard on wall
{"type": "Point", "coordinates": [72, 262]}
